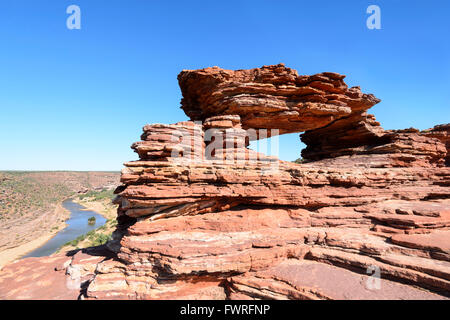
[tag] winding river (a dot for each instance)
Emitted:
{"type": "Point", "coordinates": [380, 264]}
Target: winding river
{"type": "Point", "coordinates": [77, 225]}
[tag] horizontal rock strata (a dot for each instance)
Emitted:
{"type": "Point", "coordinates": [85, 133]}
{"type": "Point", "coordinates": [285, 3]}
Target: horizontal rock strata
{"type": "Point", "coordinates": [201, 216]}
{"type": "Point", "coordinates": [441, 132]}
{"type": "Point", "coordinates": [271, 97]}
{"type": "Point", "coordinates": [361, 138]}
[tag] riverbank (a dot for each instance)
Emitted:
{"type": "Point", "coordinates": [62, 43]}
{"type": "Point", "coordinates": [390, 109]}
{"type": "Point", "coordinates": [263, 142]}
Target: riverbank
{"type": "Point", "coordinates": [82, 222]}
{"type": "Point", "coordinates": [104, 207]}
{"type": "Point", "coordinates": [11, 254]}
{"type": "Point", "coordinates": [31, 209]}
{"type": "Point", "coordinates": [60, 215]}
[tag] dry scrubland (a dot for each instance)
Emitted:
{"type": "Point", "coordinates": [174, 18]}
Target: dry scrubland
{"type": "Point", "coordinates": [30, 205]}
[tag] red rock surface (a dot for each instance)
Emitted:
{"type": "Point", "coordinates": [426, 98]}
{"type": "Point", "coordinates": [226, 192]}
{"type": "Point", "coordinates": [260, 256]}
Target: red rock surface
{"type": "Point", "coordinates": [58, 277]}
{"type": "Point", "coordinates": [323, 281]}
{"type": "Point", "coordinates": [361, 138]}
{"type": "Point", "coordinates": [206, 218]}
{"type": "Point", "coordinates": [271, 97]}
{"type": "Point", "coordinates": [441, 132]}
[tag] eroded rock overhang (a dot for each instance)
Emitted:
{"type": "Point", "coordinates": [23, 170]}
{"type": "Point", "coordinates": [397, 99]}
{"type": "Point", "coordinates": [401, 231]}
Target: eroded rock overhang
{"type": "Point", "coordinates": [271, 97]}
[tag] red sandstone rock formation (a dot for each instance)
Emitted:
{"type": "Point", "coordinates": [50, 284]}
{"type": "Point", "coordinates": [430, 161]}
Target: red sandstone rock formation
{"type": "Point", "coordinates": [360, 135]}
{"type": "Point", "coordinates": [441, 132]}
{"type": "Point", "coordinates": [271, 97]}
{"type": "Point", "coordinates": [203, 217]}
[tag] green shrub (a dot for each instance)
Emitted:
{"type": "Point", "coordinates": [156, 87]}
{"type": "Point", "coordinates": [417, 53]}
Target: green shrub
{"type": "Point", "coordinates": [100, 239]}
{"type": "Point", "coordinates": [98, 195]}
{"type": "Point", "coordinates": [300, 160]}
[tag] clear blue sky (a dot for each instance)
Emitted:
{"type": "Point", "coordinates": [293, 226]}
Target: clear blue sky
{"type": "Point", "coordinates": [77, 99]}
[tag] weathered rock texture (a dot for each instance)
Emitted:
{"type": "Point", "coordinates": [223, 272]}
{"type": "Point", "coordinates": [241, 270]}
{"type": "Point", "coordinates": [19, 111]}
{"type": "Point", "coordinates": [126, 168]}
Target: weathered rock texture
{"type": "Point", "coordinates": [367, 217]}
{"type": "Point", "coordinates": [271, 97]}
{"type": "Point", "coordinates": [441, 132]}
{"type": "Point", "coordinates": [360, 135]}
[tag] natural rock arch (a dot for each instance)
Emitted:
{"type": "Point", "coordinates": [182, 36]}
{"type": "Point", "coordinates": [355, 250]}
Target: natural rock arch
{"type": "Point", "coordinates": [332, 116]}
{"type": "Point", "coordinates": [196, 227]}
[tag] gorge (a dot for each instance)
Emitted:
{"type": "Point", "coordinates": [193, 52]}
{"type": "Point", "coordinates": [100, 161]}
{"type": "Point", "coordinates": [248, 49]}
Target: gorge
{"type": "Point", "coordinates": [77, 225]}
{"type": "Point", "coordinates": [202, 216]}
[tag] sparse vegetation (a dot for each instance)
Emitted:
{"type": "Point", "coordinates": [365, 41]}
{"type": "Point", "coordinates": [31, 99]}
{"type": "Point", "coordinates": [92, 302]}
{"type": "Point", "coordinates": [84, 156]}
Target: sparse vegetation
{"type": "Point", "coordinates": [21, 192]}
{"type": "Point", "coordinates": [92, 238]}
{"type": "Point", "coordinates": [30, 202]}
{"type": "Point", "coordinates": [99, 201]}
{"type": "Point", "coordinates": [95, 195]}
{"type": "Point", "coordinates": [300, 160]}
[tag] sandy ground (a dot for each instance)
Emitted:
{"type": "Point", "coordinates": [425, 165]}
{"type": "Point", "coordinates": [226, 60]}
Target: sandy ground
{"type": "Point", "coordinates": [12, 254]}
{"type": "Point", "coordinates": [103, 207]}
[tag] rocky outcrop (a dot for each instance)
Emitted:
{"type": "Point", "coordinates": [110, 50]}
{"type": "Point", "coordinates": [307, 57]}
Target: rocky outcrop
{"type": "Point", "coordinates": [271, 97]}
{"type": "Point", "coordinates": [441, 132]}
{"type": "Point", "coordinates": [203, 217]}
{"type": "Point", "coordinates": [361, 138]}
{"type": "Point", "coordinates": [58, 277]}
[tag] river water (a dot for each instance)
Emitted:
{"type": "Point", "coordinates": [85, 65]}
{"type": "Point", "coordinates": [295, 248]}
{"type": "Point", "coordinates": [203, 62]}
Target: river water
{"type": "Point", "coordinates": [77, 225]}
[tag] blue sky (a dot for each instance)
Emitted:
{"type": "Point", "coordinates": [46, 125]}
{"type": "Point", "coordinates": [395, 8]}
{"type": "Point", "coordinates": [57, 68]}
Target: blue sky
{"type": "Point", "coordinates": [77, 99]}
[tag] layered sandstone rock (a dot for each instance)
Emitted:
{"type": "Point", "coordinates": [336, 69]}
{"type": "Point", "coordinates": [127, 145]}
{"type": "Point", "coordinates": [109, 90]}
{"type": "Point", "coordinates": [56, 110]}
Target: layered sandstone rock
{"type": "Point", "coordinates": [441, 132]}
{"type": "Point", "coordinates": [203, 217]}
{"type": "Point", "coordinates": [271, 97]}
{"type": "Point", "coordinates": [361, 138]}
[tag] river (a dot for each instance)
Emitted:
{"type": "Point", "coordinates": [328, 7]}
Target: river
{"type": "Point", "coordinates": [77, 225]}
